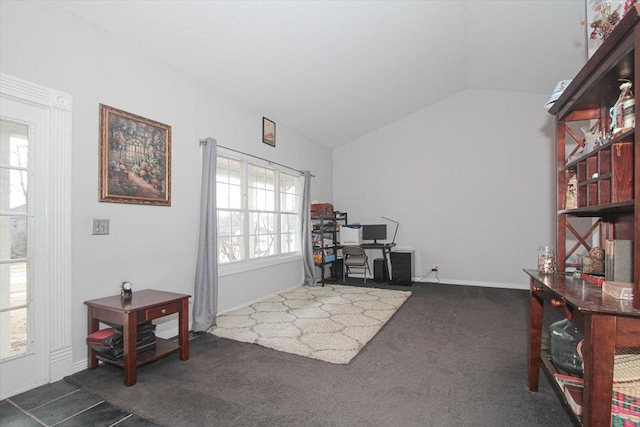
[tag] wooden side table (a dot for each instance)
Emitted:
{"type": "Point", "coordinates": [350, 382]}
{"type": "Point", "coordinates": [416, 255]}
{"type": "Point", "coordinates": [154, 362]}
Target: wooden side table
{"type": "Point", "coordinates": [143, 306]}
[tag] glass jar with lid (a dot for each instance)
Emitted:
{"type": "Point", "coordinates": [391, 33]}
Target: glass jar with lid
{"type": "Point", "coordinates": [546, 260]}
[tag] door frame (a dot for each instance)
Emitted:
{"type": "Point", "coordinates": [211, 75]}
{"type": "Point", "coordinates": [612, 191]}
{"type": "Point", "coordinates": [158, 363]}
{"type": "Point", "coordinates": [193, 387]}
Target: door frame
{"type": "Point", "coordinates": [58, 137]}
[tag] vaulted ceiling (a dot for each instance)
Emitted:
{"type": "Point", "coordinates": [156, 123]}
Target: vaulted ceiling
{"type": "Point", "coordinates": [336, 70]}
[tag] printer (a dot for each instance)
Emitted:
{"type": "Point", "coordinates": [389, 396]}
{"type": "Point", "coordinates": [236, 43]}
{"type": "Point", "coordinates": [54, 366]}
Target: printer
{"type": "Point", "coordinates": [350, 234]}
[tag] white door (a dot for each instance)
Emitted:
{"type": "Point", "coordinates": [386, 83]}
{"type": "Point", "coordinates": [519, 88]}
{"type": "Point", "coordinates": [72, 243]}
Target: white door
{"type": "Point", "coordinates": [23, 248]}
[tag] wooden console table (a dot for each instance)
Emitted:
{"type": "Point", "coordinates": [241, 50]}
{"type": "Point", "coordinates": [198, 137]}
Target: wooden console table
{"type": "Point", "coordinates": [606, 323]}
{"type": "Point", "coordinates": [143, 306]}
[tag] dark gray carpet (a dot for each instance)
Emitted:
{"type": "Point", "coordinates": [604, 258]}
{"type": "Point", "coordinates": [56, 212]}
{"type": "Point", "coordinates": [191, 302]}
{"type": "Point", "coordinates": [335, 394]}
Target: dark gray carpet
{"type": "Point", "coordinates": [451, 356]}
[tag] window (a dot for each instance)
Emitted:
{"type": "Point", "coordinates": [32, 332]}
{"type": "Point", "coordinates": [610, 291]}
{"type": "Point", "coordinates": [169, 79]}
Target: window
{"type": "Point", "coordinates": [16, 226]}
{"type": "Point", "coordinates": [258, 211]}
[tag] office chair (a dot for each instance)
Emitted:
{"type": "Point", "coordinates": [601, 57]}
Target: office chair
{"type": "Point", "coordinates": [354, 257]}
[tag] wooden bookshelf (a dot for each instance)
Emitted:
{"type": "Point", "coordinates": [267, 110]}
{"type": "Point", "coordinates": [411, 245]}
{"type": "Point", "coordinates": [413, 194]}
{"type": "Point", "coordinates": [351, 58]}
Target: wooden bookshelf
{"type": "Point", "coordinates": [607, 176]}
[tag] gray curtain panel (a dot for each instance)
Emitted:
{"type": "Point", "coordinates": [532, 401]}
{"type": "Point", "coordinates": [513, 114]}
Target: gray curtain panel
{"type": "Point", "coordinates": [307, 244]}
{"type": "Point", "coordinates": [205, 300]}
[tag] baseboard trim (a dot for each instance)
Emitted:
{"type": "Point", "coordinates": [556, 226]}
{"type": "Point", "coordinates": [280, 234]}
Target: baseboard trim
{"type": "Point", "coordinates": [80, 365]}
{"type": "Point", "coordinates": [60, 363]}
{"type": "Point", "coordinates": [517, 286]}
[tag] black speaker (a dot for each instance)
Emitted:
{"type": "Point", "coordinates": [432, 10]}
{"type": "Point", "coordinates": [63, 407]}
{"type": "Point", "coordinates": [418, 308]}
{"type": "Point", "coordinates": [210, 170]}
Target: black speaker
{"type": "Point", "coordinates": [336, 270]}
{"type": "Point", "coordinates": [380, 273]}
{"type": "Point", "coordinates": [402, 268]}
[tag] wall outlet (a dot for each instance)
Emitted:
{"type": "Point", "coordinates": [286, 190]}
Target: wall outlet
{"type": "Point", "coordinates": [99, 227]}
{"type": "Point", "coordinates": [435, 267]}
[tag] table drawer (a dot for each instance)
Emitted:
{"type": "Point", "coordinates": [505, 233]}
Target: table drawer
{"type": "Point", "coordinates": [554, 300]}
{"type": "Point", "coordinates": [161, 310]}
{"type": "Point", "coordinates": [546, 295]}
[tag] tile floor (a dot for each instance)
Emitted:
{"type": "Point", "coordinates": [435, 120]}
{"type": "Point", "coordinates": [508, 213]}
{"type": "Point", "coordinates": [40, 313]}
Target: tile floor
{"type": "Point", "coordinates": [65, 405]}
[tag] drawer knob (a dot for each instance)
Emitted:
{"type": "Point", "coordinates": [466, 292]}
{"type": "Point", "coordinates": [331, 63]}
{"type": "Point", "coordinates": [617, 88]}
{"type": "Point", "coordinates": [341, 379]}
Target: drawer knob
{"type": "Point", "coordinates": [537, 289]}
{"type": "Point", "coordinates": [163, 311]}
{"type": "Point", "coordinates": [557, 303]}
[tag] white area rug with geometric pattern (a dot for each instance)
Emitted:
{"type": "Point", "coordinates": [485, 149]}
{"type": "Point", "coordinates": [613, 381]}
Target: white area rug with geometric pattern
{"type": "Point", "coordinates": [331, 323]}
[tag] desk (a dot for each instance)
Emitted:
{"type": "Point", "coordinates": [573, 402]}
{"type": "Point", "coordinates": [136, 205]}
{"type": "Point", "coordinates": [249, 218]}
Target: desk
{"type": "Point", "coordinates": [384, 247]}
{"type": "Point", "coordinates": [606, 323]}
{"type": "Point", "coordinates": [142, 307]}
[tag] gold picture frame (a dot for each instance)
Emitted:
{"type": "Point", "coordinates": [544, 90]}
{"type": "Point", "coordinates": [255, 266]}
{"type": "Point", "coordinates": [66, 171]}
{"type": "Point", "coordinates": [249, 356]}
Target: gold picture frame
{"type": "Point", "coordinates": [268, 132]}
{"type": "Point", "coordinates": [135, 159]}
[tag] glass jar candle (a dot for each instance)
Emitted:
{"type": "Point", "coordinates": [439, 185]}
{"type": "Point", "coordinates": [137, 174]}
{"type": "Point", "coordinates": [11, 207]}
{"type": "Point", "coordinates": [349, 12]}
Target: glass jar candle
{"type": "Point", "coordinates": [546, 260]}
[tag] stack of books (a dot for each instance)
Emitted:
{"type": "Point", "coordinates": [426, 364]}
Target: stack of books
{"type": "Point", "coordinates": [572, 387]}
{"type": "Point", "coordinates": [108, 342]}
{"type": "Point", "coordinates": [625, 400]}
{"type": "Point", "coordinates": [619, 260]}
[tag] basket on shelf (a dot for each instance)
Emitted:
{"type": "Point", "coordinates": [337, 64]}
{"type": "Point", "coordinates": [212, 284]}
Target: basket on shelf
{"type": "Point", "coordinates": [625, 401]}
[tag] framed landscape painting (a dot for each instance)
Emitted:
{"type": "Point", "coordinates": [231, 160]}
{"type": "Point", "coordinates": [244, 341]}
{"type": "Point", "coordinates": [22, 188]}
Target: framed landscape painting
{"type": "Point", "coordinates": [268, 132]}
{"type": "Point", "coordinates": [135, 159]}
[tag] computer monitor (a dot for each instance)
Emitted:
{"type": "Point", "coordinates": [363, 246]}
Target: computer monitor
{"type": "Point", "coordinates": [374, 232]}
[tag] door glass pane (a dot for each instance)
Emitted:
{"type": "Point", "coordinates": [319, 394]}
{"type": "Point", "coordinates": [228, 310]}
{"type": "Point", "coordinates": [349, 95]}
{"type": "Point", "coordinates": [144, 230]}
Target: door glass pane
{"type": "Point", "coordinates": [15, 217]}
{"type": "Point", "coordinates": [14, 326]}
{"type": "Point", "coordinates": [13, 184]}
{"type": "Point", "coordinates": [14, 145]}
{"type": "Point", "coordinates": [14, 237]}
{"type": "Point", "coordinates": [13, 287]}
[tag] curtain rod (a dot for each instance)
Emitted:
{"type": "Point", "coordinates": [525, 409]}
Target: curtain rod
{"type": "Point", "coordinates": [271, 162]}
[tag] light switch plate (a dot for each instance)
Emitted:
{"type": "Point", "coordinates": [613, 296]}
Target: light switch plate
{"type": "Point", "coordinates": [100, 227]}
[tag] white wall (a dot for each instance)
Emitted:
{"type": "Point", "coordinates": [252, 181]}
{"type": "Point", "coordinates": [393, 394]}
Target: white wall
{"type": "Point", "coordinates": [154, 247]}
{"type": "Point", "coordinates": [470, 179]}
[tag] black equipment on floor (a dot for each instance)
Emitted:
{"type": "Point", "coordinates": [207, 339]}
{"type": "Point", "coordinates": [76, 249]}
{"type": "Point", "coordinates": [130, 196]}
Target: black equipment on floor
{"type": "Point", "coordinates": [336, 270]}
{"type": "Point", "coordinates": [380, 271]}
{"type": "Point", "coordinates": [402, 268]}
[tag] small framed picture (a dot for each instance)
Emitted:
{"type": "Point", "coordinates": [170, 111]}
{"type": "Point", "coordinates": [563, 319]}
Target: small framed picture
{"type": "Point", "coordinates": [135, 159]}
{"type": "Point", "coordinates": [268, 132]}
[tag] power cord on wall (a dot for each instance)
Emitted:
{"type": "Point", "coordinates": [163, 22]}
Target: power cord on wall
{"type": "Point", "coordinates": [433, 270]}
